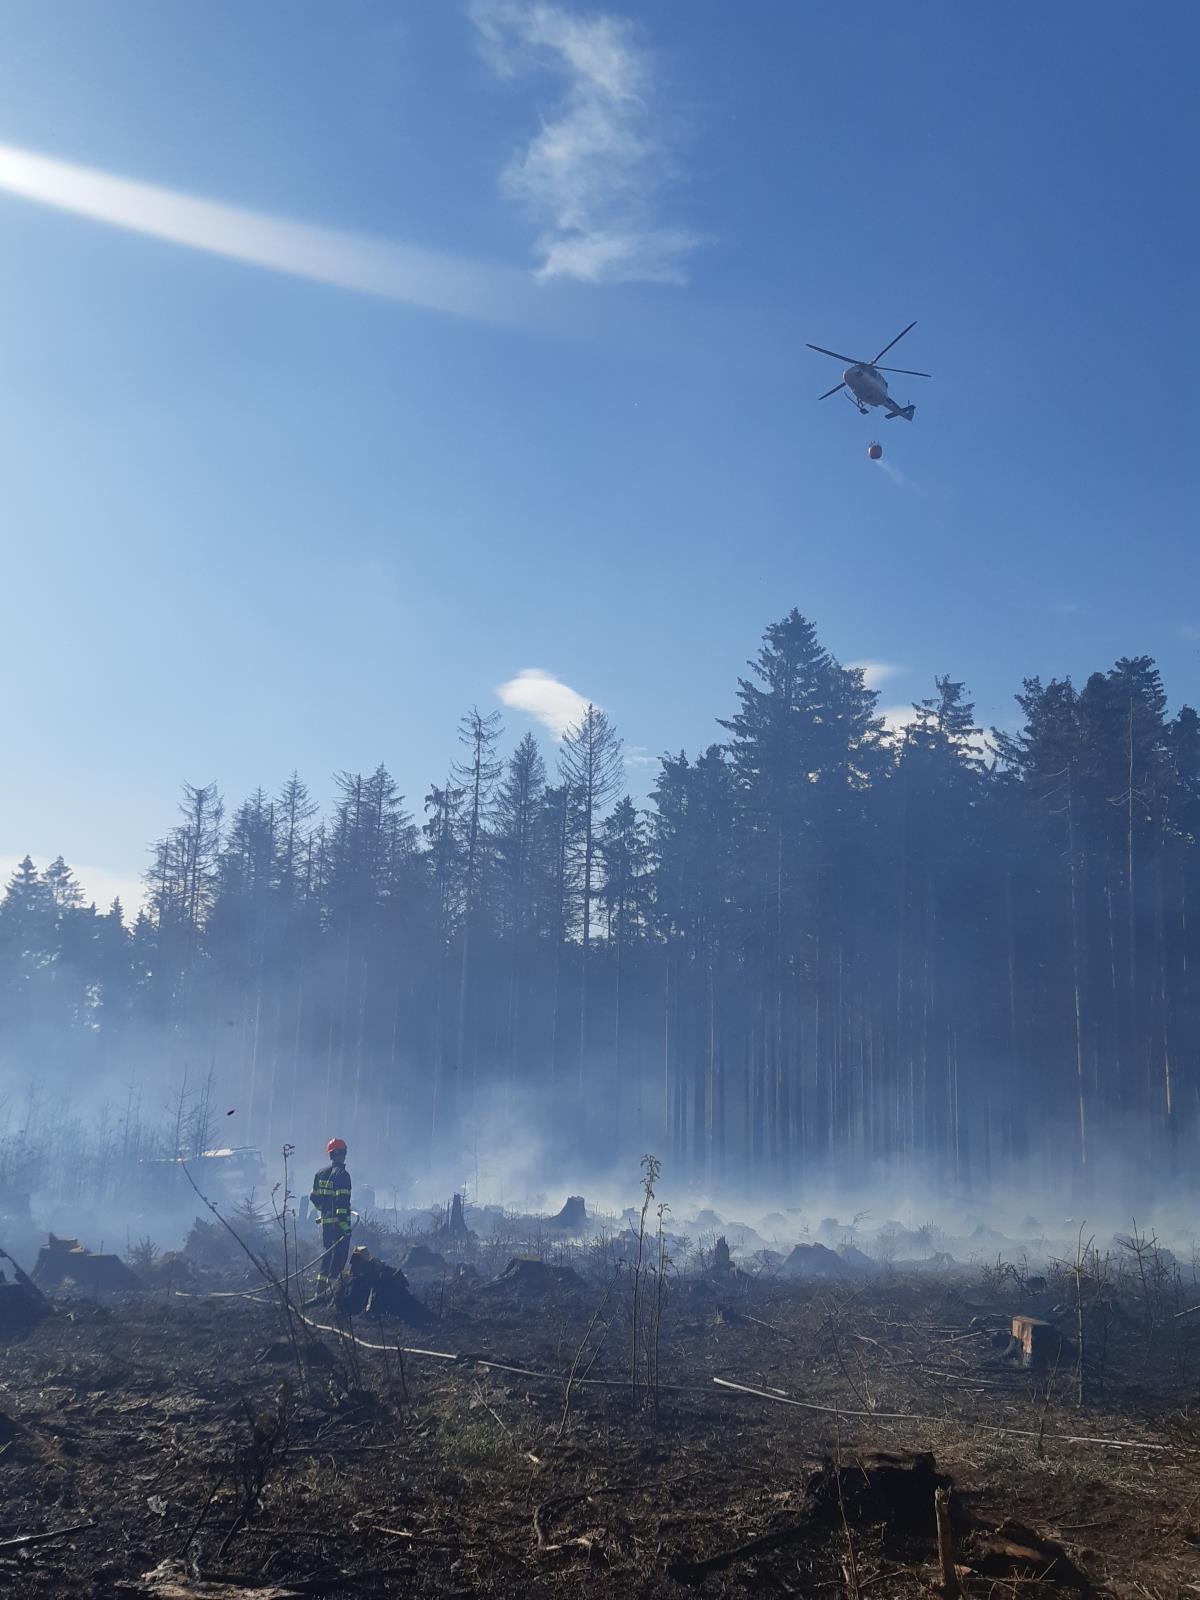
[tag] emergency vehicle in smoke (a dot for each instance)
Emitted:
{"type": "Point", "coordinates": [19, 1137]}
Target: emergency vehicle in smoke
{"type": "Point", "coordinates": [226, 1174]}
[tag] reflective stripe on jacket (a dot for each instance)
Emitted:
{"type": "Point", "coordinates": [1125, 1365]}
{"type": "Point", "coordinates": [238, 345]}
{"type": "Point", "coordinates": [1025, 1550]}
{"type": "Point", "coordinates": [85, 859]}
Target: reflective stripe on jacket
{"type": "Point", "coordinates": [331, 1196]}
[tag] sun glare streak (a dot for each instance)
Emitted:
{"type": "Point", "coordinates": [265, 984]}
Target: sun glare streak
{"type": "Point", "coordinates": [302, 250]}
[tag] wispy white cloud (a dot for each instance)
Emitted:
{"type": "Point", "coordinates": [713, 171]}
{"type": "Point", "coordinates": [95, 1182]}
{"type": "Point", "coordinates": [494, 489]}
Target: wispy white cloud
{"type": "Point", "coordinates": [592, 176]}
{"type": "Point", "coordinates": [896, 718]}
{"type": "Point", "coordinates": [636, 755]}
{"type": "Point", "coordinates": [99, 884]}
{"type": "Point", "coordinates": [299, 249]}
{"type": "Point", "coordinates": [545, 698]}
{"type": "Point", "coordinates": [876, 673]}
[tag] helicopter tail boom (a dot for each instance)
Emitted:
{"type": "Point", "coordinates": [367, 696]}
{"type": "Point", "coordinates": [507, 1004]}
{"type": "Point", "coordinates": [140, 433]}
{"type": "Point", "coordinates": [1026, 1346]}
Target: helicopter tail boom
{"type": "Point", "coordinates": [907, 412]}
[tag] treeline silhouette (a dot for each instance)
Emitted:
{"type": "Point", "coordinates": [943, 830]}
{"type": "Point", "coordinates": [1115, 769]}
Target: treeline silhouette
{"type": "Point", "coordinates": [821, 944]}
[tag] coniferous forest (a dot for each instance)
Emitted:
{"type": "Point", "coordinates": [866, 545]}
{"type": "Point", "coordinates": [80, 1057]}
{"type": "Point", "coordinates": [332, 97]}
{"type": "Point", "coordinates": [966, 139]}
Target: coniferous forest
{"type": "Point", "coordinates": [821, 946]}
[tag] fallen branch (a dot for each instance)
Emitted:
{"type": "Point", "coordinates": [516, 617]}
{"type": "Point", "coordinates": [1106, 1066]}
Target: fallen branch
{"type": "Point", "coordinates": [469, 1358]}
{"type": "Point", "coordinates": [696, 1571]}
{"type": "Point", "coordinates": [430, 1539]}
{"type": "Point", "coordinates": [335, 1443]}
{"type": "Point", "coordinates": [27, 1539]}
{"type": "Point", "coordinates": [782, 1399]}
{"type": "Point", "coordinates": [483, 1401]}
{"type": "Point", "coordinates": [732, 1314]}
{"type": "Point", "coordinates": [578, 1383]}
{"type": "Point", "coordinates": [387, 1349]}
{"type": "Point", "coordinates": [199, 1522]}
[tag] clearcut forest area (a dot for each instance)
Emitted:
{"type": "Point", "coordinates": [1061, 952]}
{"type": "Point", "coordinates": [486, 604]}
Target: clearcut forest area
{"type": "Point", "coordinates": [611, 1406]}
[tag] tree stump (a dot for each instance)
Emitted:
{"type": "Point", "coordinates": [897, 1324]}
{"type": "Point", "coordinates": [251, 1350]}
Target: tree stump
{"type": "Point", "coordinates": [573, 1217]}
{"type": "Point", "coordinates": [65, 1261]}
{"type": "Point", "coordinates": [1040, 1341]}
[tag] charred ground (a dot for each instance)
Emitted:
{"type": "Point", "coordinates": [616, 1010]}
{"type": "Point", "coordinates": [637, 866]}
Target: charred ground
{"type": "Point", "coordinates": [204, 1433]}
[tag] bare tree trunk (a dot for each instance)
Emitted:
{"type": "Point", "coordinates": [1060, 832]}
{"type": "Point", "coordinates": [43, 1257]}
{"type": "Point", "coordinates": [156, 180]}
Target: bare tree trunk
{"type": "Point", "coordinates": [1075, 961]}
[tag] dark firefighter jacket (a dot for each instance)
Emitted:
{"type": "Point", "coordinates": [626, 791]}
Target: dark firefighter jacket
{"type": "Point", "coordinates": [331, 1196]}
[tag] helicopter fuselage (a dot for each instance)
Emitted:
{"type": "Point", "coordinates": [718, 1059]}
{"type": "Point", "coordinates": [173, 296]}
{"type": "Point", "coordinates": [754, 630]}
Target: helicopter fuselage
{"type": "Point", "coordinates": [865, 383]}
{"type": "Point", "coordinates": [868, 386]}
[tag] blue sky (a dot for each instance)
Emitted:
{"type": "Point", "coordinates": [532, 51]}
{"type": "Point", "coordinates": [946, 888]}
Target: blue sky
{"type": "Point", "coordinates": [485, 354]}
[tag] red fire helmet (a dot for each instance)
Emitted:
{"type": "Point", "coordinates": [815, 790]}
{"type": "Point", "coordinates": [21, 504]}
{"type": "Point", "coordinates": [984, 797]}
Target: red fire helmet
{"type": "Point", "coordinates": [335, 1144]}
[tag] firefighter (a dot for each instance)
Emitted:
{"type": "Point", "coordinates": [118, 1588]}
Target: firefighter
{"type": "Point", "coordinates": [331, 1197]}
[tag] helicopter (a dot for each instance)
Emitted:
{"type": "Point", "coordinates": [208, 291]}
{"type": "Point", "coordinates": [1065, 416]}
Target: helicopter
{"type": "Point", "coordinates": [865, 384]}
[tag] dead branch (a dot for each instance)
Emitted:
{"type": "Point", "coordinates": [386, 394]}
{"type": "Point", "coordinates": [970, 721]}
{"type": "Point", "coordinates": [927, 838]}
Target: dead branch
{"type": "Point", "coordinates": [1041, 1433]}
{"type": "Point", "coordinates": [945, 1543]}
{"type": "Point", "coordinates": [261, 1266]}
{"type": "Point", "coordinates": [199, 1522]}
{"type": "Point", "coordinates": [732, 1314]}
{"type": "Point", "coordinates": [27, 1539]}
{"type": "Point", "coordinates": [387, 1349]}
{"type": "Point", "coordinates": [572, 1375]}
{"type": "Point", "coordinates": [483, 1401]}
{"type": "Point", "coordinates": [697, 1571]}
{"type": "Point", "coordinates": [850, 1566]}
{"type": "Point", "coordinates": [961, 1422]}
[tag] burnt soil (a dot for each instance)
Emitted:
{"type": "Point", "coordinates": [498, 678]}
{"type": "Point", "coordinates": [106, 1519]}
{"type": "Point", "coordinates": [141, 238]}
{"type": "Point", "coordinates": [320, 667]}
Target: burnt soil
{"type": "Point", "coordinates": [195, 1427]}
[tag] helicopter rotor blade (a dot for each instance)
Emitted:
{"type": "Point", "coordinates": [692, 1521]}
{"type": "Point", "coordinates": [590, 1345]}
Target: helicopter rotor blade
{"type": "Point", "coordinates": [849, 360]}
{"type": "Point", "coordinates": [906, 372]}
{"type": "Point", "coordinates": [896, 340]}
{"type": "Point", "coordinates": [828, 392]}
